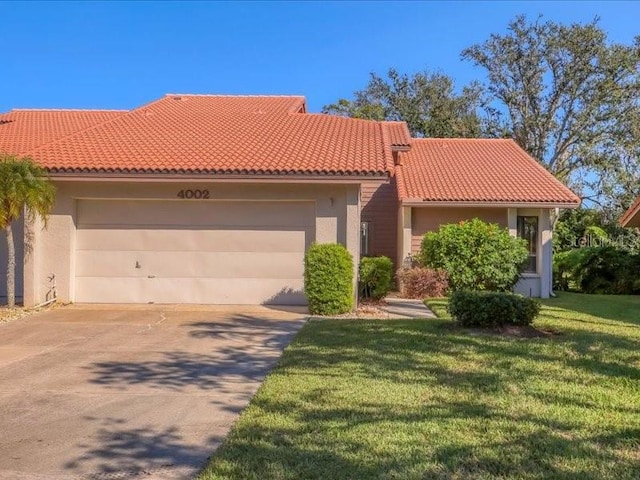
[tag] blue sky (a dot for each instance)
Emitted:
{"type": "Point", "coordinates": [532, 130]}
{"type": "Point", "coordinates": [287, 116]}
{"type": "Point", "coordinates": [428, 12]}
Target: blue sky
{"type": "Point", "coordinates": [121, 54]}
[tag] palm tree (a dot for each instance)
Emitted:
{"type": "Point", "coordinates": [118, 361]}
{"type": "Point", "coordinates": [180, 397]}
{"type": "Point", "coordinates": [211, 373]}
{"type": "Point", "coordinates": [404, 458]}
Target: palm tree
{"type": "Point", "coordinates": [24, 187]}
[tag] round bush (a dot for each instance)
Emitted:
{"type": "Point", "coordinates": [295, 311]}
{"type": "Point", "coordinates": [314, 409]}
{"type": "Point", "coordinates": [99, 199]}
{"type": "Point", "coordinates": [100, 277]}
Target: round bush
{"type": "Point", "coordinates": [376, 277]}
{"type": "Point", "coordinates": [492, 309]}
{"type": "Point", "coordinates": [328, 279]}
{"type": "Point", "coordinates": [476, 255]}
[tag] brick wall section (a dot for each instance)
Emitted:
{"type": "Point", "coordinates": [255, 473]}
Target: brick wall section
{"type": "Point", "coordinates": [380, 207]}
{"type": "Point", "coordinates": [428, 219]}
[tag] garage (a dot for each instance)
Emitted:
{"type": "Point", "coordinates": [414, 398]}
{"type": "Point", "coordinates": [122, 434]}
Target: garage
{"type": "Point", "coordinates": [191, 251]}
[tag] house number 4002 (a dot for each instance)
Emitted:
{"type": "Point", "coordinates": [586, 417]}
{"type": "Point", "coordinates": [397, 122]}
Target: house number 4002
{"type": "Point", "coordinates": [197, 194]}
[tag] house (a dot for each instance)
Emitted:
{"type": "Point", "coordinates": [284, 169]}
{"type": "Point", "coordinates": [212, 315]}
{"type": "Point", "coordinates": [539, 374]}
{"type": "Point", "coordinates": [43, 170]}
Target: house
{"type": "Point", "coordinates": [214, 199]}
{"type": "Point", "coordinates": [631, 218]}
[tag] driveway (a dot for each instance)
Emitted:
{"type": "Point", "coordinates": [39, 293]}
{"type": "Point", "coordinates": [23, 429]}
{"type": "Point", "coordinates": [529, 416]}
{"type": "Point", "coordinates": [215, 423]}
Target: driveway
{"type": "Point", "coordinates": [108, 392]}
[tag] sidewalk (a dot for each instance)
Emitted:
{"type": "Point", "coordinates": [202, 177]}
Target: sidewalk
{"type": "Point", "coordinates": [400, 308]}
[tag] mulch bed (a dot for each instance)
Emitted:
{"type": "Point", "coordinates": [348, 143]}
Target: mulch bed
{"type": "Point", "coordinates": [9, 314]}
{"type": "Point", "coordinates": [367, 309]}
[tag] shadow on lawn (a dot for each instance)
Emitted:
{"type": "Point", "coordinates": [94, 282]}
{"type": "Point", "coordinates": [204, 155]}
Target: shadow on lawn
{"type": "Point", "coordinates": [320, 437]}
{"type": "Point", "coordinates": [299, 453]}
{"type": "Point", "coordinates": [390, 351]}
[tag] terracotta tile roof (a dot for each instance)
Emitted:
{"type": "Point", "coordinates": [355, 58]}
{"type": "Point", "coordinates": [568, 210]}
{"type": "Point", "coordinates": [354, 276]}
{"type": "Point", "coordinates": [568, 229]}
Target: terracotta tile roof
{"type": "Point", "coordinates": [23, 130]}
{"type": "Point", "coordinates": [397, 133]}
{"type": "Point", "coordinates": [631, 218]}
{"type": "Point", "coordinates": [477, 170]}
{"type": "Point", "coordinates": [223, 135]}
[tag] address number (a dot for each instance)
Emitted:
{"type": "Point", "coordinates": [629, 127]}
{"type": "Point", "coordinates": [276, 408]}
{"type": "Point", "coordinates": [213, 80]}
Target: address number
{"type": "Point", "coordinates": [197, 194]}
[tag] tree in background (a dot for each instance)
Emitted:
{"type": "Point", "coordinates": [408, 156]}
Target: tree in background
{"type": "Point", "coordinates": [590, 227]}
{"type": "Point", "coordinates": [24, 187]}
{"type": "Point", "coordinates": [428, 103]}
{"type": "Point", "coordinates": [619, 175]}
{"type": "Point", "coordinates": [566, 95]}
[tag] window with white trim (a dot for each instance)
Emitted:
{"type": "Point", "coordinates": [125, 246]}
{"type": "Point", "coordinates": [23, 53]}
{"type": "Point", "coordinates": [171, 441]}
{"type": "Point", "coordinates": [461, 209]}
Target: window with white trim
{"type": "Point", "coordinates": [528, 230]}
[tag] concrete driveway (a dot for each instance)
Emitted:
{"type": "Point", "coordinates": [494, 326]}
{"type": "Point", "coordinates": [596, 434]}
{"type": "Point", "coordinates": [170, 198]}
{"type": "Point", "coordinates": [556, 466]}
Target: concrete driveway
{"type": "Point", "coordinates": [108, 392]}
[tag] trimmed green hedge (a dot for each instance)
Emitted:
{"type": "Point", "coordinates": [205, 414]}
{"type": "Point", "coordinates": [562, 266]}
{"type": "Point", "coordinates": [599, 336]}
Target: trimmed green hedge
{"type": "Point", "coordinates": [492, 309]}
{"type": "Point", "coordinates": [328, 279]}
{"type": "Point", "coordinates": [376, 277]}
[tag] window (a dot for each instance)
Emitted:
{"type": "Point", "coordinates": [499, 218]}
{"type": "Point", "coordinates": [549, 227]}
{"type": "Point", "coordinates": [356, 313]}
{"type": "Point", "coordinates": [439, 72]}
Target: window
{"type": "Point", "coordinates": [365, 238]}
{"type": "Point", "coordinates": [528, 230]}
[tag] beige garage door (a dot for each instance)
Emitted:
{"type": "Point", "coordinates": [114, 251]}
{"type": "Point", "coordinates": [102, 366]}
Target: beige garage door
{"type": "Point", "coordinates": [147, 251]}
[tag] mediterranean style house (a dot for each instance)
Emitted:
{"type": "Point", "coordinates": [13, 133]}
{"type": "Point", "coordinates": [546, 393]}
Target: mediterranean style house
{"type": "Point", "coordinates": [215, 199]}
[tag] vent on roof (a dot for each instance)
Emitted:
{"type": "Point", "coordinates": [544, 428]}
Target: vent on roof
{"type": "Point", "coordinates": [180, 99]}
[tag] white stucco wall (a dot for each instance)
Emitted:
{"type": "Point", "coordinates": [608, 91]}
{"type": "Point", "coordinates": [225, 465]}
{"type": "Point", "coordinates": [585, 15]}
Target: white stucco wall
{"type": "Point", "coordinates": [538, 284]}
{"type": "Point", "coordinates": [337, 219]}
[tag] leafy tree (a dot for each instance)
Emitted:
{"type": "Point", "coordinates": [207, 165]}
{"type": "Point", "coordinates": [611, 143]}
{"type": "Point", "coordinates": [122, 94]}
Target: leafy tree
{"type": "Point", "coordinates": [561, 92]}
{"type": "Point", "coordinates": [576, 227]}
{"type": "Point", "coordinates": [428, 103]}
{"type": "Point", "coordinates": [24, 187]}
{"type": "Point", "coordinates": [619, 173]}
{"type": "Point", "coordinates": [590, 227]}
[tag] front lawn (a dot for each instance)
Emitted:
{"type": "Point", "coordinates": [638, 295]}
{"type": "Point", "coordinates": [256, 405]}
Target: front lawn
{"type": "Point", "coordinates": [421, 399]}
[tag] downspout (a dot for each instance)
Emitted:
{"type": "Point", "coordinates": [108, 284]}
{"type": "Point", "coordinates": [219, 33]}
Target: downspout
{"type": "Point", "coordinates": [52, 291]}
{"type": "Point", "coordinates": [552, 294]}
{"type": "Point", "coordinates": [43, 304]}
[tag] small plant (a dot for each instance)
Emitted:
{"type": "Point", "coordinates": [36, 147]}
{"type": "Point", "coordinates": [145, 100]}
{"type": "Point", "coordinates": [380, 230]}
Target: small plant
{"type": "Point", "coordinates": [328, 279]}
{"type": "Point", "coordinates": [422, 282]}
{"type": "Point", "coordinates": [376, 277]}
{"type": "Point", "coordinates": [492, 309]}
{"type": "Point", "coordinates": [476, 255]}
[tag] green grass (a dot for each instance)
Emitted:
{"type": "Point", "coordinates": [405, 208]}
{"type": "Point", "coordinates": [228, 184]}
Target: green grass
{"type": "Point", "coordinates": [423, 399]}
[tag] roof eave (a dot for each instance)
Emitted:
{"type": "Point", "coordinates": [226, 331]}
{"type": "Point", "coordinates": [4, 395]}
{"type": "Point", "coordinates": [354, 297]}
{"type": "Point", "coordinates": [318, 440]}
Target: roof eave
{"type": "Point", "coordinates": [631, 218]}
{"type": "Point", "coordinates": [417, 202]}
{"type": "Point", "coordinates": [213, 177]}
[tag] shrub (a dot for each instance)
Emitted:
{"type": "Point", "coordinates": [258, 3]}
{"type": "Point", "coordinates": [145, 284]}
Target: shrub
{"type": "Point", "coordinates": [566, 268]}
{"type": "Point", "coordinates": [328, 279]}
{"type": "Point", "coordinates": [492, 309]}
{"type": "Point", "coordinates": [476, 255]}
{"type": "Point", "coordinates": [376, 277]}
{"type": "Point", "coordinates": [422, 282]}
{"type": "Point", "coordinates": [607, 270]}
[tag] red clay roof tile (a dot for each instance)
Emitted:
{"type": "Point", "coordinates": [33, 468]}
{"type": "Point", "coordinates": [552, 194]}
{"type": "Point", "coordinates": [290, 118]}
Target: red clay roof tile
{"type": "Point", "coordinates": [476, 171]}
{"type": "Point", "coordinates": [225, 135]}
{"type": "Point", "coordinates": [398, 133]}
{"type": "Point", "coordinates": [24, 130]}
{"type": "Point", "coordinates": [274, 135]}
